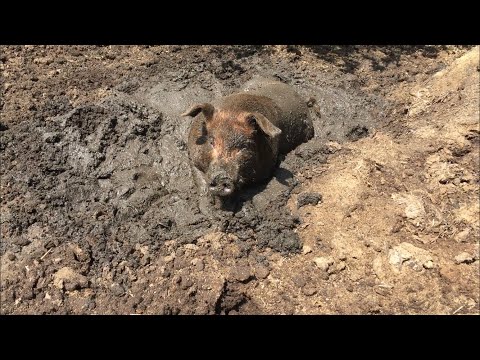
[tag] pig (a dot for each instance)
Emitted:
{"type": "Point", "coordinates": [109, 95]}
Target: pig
{"type": "Point", "coordinates": [236, 140]}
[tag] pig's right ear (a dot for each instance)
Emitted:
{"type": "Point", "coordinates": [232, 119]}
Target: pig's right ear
{"type": "Point", "coordinates": [206, 108]}
{"type": "Point", "coordinates": [257, 119]}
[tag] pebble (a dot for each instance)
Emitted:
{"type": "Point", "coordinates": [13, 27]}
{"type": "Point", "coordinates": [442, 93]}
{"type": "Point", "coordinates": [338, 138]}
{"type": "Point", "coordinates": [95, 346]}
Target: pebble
{"type": "Point", "coordinates": [261, 272]}
{"type": "Point", "coordinates": [199, 264]}
{"type": "Point", "coordinates": [306, 249]}
{"type": "Point", "coordinates": [309, 290]}
{"type": "Point", "coordinates": [43, 61]}
{"type": "Point", "coordinates": [186, 283]}
{"type": "Point", "coordinates": [117, 289]}
{"type": "Point", "coordinates": [27, 293]}
{"type": "Point", "coordinates": [299, 281]}
{"type": "Point", "coordinates": [428, 264]}
{"type": "Point", "coordinates": [241, 273]}
{"type": "Point", "coordinates": [66, 278]}
{"type": "Point", "coordinates": [169, 258]}
{"type": "Point", "coordinates": [51, 137]}
{"type": "Point", "coordinates": [308, 199]}
{"type": "Point", "coordinates": [462, 236]}
{"type": "Point", "coordinates": [323, 263]}
{"type": "Point", "coordinates": [410, 255]}
{"type": "Point", "coordinates": [179, 263]}
{"type": "Point", "coordinates": [21, 241]}
{"type": "Point", "coordinates": [341, 266]}
{"type": "Point", "coordinates": [464, 257]}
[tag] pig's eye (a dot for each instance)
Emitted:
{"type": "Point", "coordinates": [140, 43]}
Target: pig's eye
{"type": "Point", "coordinates": [211, 140]}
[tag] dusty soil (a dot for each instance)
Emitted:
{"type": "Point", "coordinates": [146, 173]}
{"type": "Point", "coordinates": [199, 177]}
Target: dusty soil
{"type": "Point", "coordinates": [378, 214]}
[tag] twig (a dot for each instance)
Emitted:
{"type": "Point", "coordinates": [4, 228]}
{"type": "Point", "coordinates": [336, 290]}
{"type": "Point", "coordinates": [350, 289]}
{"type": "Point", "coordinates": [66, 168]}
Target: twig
{"type": "Point", "coordinates": [460, 308]}
{"type": "Point", "coordinates": [48, 252]}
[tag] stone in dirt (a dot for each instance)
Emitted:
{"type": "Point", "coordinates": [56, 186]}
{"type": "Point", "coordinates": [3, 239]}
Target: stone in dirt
{"type": "Point", "coordinates": [309, 290]}
{"type": "Point", "coordinates": [309, 198]}
{"type": "Point", "coordinates": [464, 257]}
{"type": "Point", "coordinates": [261, 272]}
{"type": "Point", "coordinates": [241, 273]}
{"type": "Point", "coordinates": [117, 289]}
{"type": "Point", "coordinates": [462, 236]}
{"type": "Point", "coordinates": [66, 278]}
{"type": "Point", "coordinates": [199, 264]}
{"type": "Point", "coordinates": [323, 263]}
{"type": "Point", "coordinates": [410, 255]}
{"type": "Point", "coordinates": [306, 249]}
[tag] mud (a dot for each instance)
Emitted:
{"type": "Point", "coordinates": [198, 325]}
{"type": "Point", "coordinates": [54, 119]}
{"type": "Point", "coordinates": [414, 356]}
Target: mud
{"type": "Point", "coordinates": [100, 213]}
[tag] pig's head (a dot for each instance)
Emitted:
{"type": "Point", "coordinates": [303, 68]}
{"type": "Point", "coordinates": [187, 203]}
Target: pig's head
{"type": "Point", "coordinates": [237, 147]}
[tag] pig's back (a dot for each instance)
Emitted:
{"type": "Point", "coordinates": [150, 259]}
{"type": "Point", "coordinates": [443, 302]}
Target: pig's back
{"type": "Point", "coordinates": [292, 115]}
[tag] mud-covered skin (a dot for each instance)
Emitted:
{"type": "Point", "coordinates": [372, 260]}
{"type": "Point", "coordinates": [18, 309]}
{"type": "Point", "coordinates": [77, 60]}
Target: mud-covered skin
{"type": "Point", "coordinates": [235, 140]}
{"type": "Point", "coordinates": [291, 111]}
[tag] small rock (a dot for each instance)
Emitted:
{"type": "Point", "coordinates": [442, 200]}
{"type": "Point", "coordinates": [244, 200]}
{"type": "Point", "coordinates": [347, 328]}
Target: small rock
{"type": "Point", "coordinates": [179, 263]}
{"type": "Point", "coordinates": [341, 266]}
{"type": "Point", "coordinates": [66, 278]}
{"type": "Point", "coordinates": [80, 255]}
{"type": "Point", "coordinates": [323, 263]}
{"type": "Point", "coordinates": [261, 272]}
{"type": "Point", "coordinates": [186, 283]}
{"type": "Point", "coordinates": [27, 293]}
{"type": "Point", "coordinates": [51, 137]}
{"type": "Point", "coordinates": [199, 264]}
{"type": "Point", "coordinates": [410, 255]}
{"type": "Point", "coordinates": [428, 264]}
{"type": "Point", "coordinates": [21, 241]}
{"type": "Point", "coordinates": [11, 257]}
{"type": "Point", "coordinates": [378, 268]}
{"type": "Point", "coordinates": [299, 281]}
{"type": "Point", "coordinates": [333, 147]}
{"type": "Point", "coordinates": [308, 199]}
{"type": "Point", "coordinates": [357, 132]}
{"type": "Point", "coordinates": [309, 290]}
{"type": "Point", "coordinates": [43, 60]}
{"type": "Point", "coordinates": [306, 249]}
{"type": "Point", "coordinates": [462, 236]}
{"type": "Point", "coordinates": [414, 208]}
{"type": "Point", "coordinates": [117, 289]}
{"type": "Point", "coordinates": [241, 273]}
{"type": "Point", "coordinates": [464, 257]}
{"type": "Point", "coordinates": [383, 291]}
{"type": "Point", "coordinates": [169, 258]}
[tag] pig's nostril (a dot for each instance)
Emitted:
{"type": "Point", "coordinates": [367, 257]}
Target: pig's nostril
{"type": "Point", "coordinates": [221, 185]}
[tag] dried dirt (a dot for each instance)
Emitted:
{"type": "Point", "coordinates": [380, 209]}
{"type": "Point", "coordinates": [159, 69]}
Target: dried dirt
{"type": "Point", "coordinates": [377, 214]}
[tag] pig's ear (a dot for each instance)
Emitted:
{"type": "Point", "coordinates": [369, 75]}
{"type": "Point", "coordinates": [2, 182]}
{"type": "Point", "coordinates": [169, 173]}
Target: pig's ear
{"type": "Point", "coordinates": [206, 108]}
{"type": "Point", "coordinates": [257, 119]}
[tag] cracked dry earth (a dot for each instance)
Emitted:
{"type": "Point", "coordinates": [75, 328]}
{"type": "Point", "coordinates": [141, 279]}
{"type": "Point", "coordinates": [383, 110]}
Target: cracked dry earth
{"type": "Point", "coordinates": [378, 214]}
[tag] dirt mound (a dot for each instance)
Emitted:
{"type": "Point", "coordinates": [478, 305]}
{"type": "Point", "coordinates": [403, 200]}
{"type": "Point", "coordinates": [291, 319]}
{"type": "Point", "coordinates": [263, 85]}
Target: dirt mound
{"type": "Point", "coordinates": [100, 213]}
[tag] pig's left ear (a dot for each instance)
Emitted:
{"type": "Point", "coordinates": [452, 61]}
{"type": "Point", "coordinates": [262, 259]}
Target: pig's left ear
{"type": "Point", "coordinates": [206, 108]}
{"type": "Point", "coordinates": [257, 119]}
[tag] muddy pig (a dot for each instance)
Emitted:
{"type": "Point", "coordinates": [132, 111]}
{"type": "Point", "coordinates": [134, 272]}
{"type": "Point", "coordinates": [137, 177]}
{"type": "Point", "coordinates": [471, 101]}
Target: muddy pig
{"type": "Point", "coordinates": [236, 140]}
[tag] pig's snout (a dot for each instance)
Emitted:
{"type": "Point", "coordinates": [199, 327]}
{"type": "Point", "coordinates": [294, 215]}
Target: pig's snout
{"type": "Point", "coordinates": [221, 185]}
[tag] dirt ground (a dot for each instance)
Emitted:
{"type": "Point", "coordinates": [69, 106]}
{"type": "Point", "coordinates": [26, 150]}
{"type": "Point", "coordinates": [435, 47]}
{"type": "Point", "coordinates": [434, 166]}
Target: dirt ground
{"type": "Point", "coordinates": [377, 214]}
